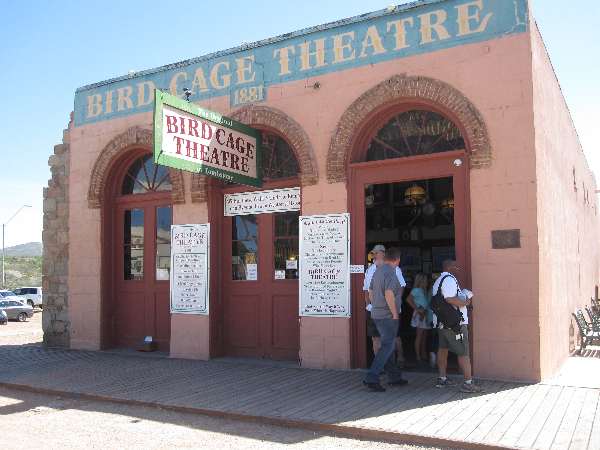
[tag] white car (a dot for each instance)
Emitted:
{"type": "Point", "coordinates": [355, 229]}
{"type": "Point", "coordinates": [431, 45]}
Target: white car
{"type": "Point", "coordinates": [10, 295]}
{"type": "Point", "coordinates": [32, 295]}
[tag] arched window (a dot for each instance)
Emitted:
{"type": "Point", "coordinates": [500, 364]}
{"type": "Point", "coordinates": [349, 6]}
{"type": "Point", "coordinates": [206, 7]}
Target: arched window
{"type": "Point", "coordinates": [413, 133]}
{"type": "Point", "coordinates": [145, 176]}
{"type": "Point", "coordinates": [278, 159]}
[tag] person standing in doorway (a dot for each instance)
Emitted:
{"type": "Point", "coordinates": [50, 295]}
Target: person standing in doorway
{"type": "Point", "coordinates": [399, 348]}
{"type": "Point", "coordinates": [448, 339]}
{"type": "Point", "coordinates": [420, 300]}
{"type": "Point", "coordinates": [386, 299]}
{"type": "Point", "coordinates": [378, 253]}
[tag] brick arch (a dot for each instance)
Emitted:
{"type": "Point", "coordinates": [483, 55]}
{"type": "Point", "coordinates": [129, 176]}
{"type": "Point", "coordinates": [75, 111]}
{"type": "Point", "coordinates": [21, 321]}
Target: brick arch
{"type": "Point", "coordinates": [288, 128]}
{"type": "Point", "coordinates": [134, 137]}
{"type": "Point", "coordinates": [398, 89]}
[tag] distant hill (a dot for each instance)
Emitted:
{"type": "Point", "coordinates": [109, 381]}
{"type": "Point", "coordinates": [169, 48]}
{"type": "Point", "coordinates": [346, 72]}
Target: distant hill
{"type": "Point", "coordinates": [29, 249]}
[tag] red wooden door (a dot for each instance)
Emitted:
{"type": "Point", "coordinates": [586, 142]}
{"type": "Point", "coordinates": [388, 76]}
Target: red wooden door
{"type": "Point", "coordinates": [439, 165]}
{"type": "Point", "coordinates": [260, 296]}
{"type": "Point", "coordinates": [141, 273]}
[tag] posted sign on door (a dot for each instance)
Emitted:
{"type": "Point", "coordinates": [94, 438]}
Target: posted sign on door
{"type": "Point", "coordinates": [190, 268]}
{"type": "Point", "coordinates": [325, 265]}
{"type": "Point", "coordinates": [191, 138]}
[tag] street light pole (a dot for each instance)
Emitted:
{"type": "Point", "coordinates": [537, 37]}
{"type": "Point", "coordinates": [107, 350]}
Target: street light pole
{"type": "Point", "coordinates": [3, 228]}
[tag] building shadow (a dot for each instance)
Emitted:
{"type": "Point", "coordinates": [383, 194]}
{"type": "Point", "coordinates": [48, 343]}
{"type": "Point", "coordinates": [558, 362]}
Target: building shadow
{"type": "Point", "coordinates": [231, 388]}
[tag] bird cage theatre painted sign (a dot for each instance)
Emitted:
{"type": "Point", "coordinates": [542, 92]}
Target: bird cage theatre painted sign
{"type": "Point", "coordinates": [245, 73]}
{"type": "Point", "coordinates": [191, 138]}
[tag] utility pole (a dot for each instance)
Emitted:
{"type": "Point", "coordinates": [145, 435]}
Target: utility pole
{"type": "Point", "coordinates": [3, 228]}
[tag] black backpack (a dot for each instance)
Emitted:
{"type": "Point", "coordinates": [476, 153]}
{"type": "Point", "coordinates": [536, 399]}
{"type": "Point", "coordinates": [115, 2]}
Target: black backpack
{"type": "Point", "coordinates": [446, 314]}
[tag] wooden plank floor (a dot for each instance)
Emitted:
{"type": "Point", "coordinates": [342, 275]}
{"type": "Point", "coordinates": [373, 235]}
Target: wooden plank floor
{"type": "Point", "coordinates": [558, 414]}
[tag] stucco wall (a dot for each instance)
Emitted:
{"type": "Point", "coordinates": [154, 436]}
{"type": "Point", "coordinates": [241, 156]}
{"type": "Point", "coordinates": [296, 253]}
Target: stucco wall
{"type": "Point", "coordinates": [567, 214]}
{"type": "Point", "coordinates": [495, 77]}
{"type": "Point", "coordinates": [85, 255]}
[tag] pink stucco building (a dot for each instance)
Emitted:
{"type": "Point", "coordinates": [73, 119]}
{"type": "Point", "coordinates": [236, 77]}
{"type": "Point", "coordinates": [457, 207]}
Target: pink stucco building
{"type": "Point", "coordinates": [457, 98]}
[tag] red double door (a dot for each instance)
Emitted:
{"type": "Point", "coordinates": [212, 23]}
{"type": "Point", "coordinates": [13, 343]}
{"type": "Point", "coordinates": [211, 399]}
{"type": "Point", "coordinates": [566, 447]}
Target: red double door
{"type": "Point", "coordinates": [141, 255]}
{"type": "Point", "coordinates": [259, 278]}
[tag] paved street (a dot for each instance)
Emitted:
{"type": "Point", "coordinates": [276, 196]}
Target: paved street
{"type": "Point", "coordinates": [563, 413]}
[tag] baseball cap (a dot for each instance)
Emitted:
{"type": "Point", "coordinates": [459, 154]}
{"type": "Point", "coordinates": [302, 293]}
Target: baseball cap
{"type": "Point", "coordinates": [378, 248]}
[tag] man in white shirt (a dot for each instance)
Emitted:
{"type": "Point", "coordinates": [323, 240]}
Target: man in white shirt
{"type": "Point", "coordinates": [378, 258]}
{"type": "Point", "coordinates": [448, 339]}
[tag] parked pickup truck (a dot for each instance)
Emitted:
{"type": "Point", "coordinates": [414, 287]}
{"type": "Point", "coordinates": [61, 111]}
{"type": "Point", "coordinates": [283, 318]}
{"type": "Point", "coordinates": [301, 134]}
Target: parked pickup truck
{"type": "Point", "coordinates": [33, 295]}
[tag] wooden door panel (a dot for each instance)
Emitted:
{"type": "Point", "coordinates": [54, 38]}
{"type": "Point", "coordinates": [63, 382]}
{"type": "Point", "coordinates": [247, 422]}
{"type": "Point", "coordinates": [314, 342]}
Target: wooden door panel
{"type": "Point", "coordinates": [142, 306]}
{"type": "Point", "coordinates": [241, 321]}
{"type": "Point", "coordinates": [129, 321]}
{"type": "Point", "coordinates": [285, 322]}
{"type": "Point", "coordinates": [260, 317]}
{"type": "Point", "coordinates": [162, 319]}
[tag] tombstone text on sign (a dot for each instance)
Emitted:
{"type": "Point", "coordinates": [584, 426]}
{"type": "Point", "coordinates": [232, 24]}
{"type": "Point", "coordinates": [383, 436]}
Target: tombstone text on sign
{"type": "Point", "coordinates": [190, 268]}
{"type": "Point", "coordinates": [261, 202]}
{"type": "Point", "coordinates": [325, 265]}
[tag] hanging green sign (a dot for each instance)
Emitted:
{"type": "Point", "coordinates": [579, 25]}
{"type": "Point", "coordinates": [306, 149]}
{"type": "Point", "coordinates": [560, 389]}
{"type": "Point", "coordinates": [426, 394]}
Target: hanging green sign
{"type": "Point", "coordinates": [197, 140]}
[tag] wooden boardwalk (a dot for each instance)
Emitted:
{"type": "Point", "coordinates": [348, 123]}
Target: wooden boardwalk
{"type": "Point", "coordinates": [559, 414]}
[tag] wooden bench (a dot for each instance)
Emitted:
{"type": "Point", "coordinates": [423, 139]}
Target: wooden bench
{"type": "Point", "coordinates": [586, 332]}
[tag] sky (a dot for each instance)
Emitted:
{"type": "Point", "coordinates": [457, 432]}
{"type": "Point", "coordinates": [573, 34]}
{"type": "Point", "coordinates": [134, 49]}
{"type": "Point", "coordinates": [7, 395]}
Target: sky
{"type": "Point", "coordinates": [48, 49]}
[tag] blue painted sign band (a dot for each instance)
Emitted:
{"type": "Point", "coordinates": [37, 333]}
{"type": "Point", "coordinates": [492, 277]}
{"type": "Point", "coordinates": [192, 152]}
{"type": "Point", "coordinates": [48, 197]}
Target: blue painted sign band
{"type": "Point", "coordinates": [245, 73]}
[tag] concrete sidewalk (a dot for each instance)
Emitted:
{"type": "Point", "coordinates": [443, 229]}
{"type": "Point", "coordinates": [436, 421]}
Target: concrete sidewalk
{"type": "Point", "coordinates": [508, 415]}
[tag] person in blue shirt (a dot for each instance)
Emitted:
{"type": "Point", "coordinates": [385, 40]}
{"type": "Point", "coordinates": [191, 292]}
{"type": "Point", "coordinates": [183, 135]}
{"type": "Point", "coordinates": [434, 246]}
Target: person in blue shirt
{"type": "Point", "coordinates": [420, 300]}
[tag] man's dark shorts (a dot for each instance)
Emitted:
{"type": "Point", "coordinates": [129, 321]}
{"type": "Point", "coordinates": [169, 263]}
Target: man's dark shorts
{"type": "Point", "coordinates": [448, 340]}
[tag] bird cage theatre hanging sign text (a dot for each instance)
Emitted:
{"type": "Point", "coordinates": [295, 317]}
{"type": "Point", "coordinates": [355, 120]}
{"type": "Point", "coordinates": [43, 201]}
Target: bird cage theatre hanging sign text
{"type": "Point", "coordinates": [191, 138]}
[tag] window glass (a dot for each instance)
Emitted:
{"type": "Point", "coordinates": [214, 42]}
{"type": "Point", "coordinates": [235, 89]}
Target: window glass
{"type": "Point", "coordinates": [163, 242]}
{"type": "Point", "coordinates": [133, 244]}
{"type": "Point", "coordinates": [19, 291]}
{"type": "Point", "coordinates": [145, 176]}
{"type": "Point", "coordinates": [414, 133]}
{"type": "Point", "coordinates": [286, 245]}
{"type": "Point", "coordinates": [278, 158]}
{"type": "Point", "coordinates": [244, 248]}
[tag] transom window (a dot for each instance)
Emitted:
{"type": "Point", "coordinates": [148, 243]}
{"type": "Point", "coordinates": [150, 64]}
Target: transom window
{"type": "Point", "coordinates": [413, 133]}
{"type": "Point", "coordinates": [145, 176]}
{"type": "Point", "coordinates": [278, 159]}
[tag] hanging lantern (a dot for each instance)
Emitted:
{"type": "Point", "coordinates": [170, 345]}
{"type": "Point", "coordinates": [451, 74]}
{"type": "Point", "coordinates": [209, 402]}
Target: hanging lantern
{"type": "Point", "coordinates": [414, 195]}
{"type": "Point", "coordinates": [369, 196]}
{"type": "Point", "coordinates": [448, 204]}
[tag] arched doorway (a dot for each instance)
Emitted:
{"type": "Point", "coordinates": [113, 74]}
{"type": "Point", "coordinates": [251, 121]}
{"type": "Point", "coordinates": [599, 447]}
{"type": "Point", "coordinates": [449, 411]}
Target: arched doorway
{"type": "Point", "coordinates": [137, 222]}
{"type": "Point", "coordinates": [259, 287]}
{"type": "Point", "coordinates": [408, 186]}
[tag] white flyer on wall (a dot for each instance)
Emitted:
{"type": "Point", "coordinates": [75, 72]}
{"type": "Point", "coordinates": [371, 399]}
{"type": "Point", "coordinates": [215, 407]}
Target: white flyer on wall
{"type": "Point", "coordinates": [325, 265]}
{"type": "Point", "coordinates": [190, 268]}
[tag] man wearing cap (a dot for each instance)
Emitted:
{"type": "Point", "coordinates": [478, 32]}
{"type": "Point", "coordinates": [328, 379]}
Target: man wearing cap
{"type": "Point", "coordinates": [378, 253]}
{"type": "Point", "coordinates": [386, 295]}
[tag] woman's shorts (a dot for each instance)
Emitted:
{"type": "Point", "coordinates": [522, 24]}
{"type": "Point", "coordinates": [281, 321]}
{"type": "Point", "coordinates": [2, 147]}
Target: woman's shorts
{"type": "Point", "coordinates": [418, 322]}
